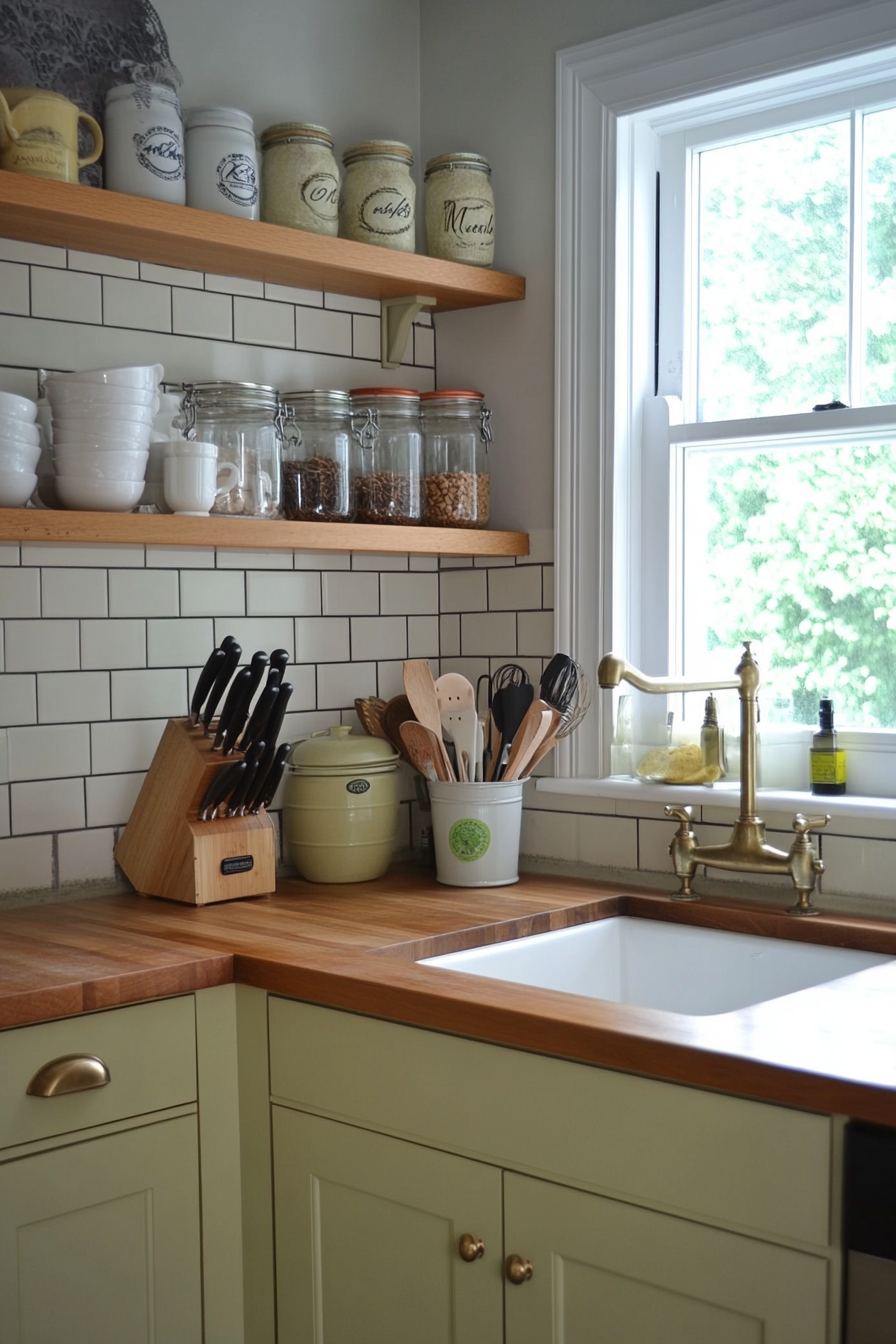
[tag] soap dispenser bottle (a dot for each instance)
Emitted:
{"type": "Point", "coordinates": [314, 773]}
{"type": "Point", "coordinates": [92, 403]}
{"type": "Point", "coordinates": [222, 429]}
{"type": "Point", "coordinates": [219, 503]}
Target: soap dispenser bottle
{"type": "Point", "coordinates": [827, 762]}
{"type": "Point", "coordinates": [712, 738]}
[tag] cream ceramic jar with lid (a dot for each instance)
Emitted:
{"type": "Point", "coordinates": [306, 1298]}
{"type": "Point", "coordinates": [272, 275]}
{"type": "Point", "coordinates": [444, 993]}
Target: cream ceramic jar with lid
{"type": "Point", "coordinates": [460, 209]}
{"type": "Point", "coordinates": [299, 177]}
{"type": "Point", "coordinates": [340, 816]}
{"type": "Point", "coordinates": [222, 166]}
{"type": "Point", "coordinates": [378, 195]}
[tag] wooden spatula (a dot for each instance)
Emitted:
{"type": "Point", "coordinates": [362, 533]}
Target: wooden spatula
{"type": "Point", "coordinates": [540, 720]}
{"type": "Point", "coordinates": [422, 749]}
{"type": "Point", "coordinates": [420, 689]}
{"type": "Point", "coordinates": [457, 709]}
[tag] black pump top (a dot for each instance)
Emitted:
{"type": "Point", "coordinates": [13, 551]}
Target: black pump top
{"type": "Point", "coordinates": [826, 715]}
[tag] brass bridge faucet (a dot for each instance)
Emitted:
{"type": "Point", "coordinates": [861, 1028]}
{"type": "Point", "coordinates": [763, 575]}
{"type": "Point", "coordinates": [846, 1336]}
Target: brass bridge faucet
{"type": "Point", "coordinates": [746, 850]}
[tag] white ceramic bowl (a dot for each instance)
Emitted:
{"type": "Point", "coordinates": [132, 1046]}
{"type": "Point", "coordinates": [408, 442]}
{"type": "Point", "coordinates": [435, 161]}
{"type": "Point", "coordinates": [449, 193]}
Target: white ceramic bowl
{"type": "Point", "coordinates": [145, 376]}
{"type": "Point", "coordinates": [122, 466]}
{"type": "Point", "coordinates": [20, 430]}
{"type": "Point", "coordinates": [85, 492]}
{"type": "Point", "coordinates": [63, 395]}
{"type": "Point", "coordinates": [18, 456]}
{"type": "Point", "coordinates": [20, 408]}
{"type": "Point", "coordinates": [94, 442]}
{"type": "Point", "coordinates": [16, 488]}
{"type": "Point", "coordinates": [81, 418]}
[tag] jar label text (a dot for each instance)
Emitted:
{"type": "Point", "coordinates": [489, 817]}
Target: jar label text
{"type": "Point", "coordinates": [237, 179]}
{"type": "Point", "coordinates": [159, 150]}
{"type": "Point", "coordinates": [320, 192]}
{"type": "Point", "coordinates": [386, 211]}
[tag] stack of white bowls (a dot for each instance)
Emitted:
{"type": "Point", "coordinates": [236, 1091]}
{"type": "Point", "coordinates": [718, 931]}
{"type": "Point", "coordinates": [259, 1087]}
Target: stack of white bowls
{"type": "Point", "coordinates": [19, 450]}
{"type": "Point", "coordinates": [102, 420]}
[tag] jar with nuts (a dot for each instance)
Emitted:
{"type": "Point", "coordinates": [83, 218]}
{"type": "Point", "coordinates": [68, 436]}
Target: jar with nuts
{"type": "Point", "coordinates": [386, 425]}
{"type": "Point", "coordinates": [318, 472]}
{"type": "Point", "coordinates": [456, 436]}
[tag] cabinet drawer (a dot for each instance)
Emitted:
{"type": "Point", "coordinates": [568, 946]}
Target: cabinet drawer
{"type": "Point", "coordinates": [741, 1164]}
{"type": "Point", "coordinates": [149, 1050]}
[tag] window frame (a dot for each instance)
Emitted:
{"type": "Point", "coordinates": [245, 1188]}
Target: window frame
{"type": "Point", "coordinates": [613, 96]}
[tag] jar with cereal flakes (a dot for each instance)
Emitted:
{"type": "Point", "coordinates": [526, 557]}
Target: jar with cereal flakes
{"type": "Point", "coordinates": [456, 436]}
{"type": "Point", "coordinates": [386, 425]}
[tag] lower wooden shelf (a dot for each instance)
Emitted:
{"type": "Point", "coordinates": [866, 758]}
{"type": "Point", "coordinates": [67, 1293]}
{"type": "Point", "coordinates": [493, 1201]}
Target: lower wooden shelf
{"type": "Point", "coordinates": [148, 529]}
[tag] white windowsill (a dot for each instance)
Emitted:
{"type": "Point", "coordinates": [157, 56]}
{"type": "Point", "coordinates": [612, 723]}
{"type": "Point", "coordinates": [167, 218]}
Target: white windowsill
{"type": "Point", "coordinates": [725, 795]}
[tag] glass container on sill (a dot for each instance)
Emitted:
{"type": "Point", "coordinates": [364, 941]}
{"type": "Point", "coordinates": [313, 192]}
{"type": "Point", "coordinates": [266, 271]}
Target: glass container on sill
{"type": "Point", "coordinates": [456, 436]}
{"type": "Point", "coordinates": [244, 420]}
{"type": "Point", "coordinates": [318, 458]}
{"type": "Point", "coordinates": [386, 424]}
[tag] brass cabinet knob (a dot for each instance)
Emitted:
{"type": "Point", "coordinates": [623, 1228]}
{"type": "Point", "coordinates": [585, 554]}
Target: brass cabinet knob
{"type": "Point", "coordinates": [518, 1270]}
{"type": "Point", "coordinates": [470, 1248]}
{"type": "Point", "coordinates": [69, 1073]}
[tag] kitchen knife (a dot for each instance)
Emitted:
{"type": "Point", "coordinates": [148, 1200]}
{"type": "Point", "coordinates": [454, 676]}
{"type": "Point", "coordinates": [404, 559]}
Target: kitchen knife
{"type": "Point", "coordinates": [261, 712]}
{"type": "Point", "coordinates": [271, 732]}
{"type": "Point", "coordinates": [204, 684]}
{"type": "Point", "coordinates": [220, 788]}
{"type": "Point", "coordinates": [232, 655]}
{"type": "Point", "coordinates": [235, 724]}
{"type": "Point", "coordinates": [279, 662]}
{"type": "Point", "coordinates": [246, 787]}
{"type": "Point", "coordinates": [264, 797]}
{"type": "Point", "coordinates": [231, 704]}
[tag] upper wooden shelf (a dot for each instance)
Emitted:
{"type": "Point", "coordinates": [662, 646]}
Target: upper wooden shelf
{"type": "Point", "coordinates": [148, 529]}
{"type": "Point", "coordinates": [62, 214]}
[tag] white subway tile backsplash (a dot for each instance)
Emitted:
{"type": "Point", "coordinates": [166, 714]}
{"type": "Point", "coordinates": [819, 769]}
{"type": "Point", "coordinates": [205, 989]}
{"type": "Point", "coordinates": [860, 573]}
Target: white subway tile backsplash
{"type": "Point", "coordinates": [72, 697]}
{"type": "Point", "coordinates": [4, 756]}
{"type": "Point", "coordinates": [409, 594]}
{"type": "Point", "coordinates": [34, 254]}
{"type": "Point", "coordinates": [379, 564]}
{"type": "Point", "coordinates": [41, 646]}
{"type": "Point", "coordinates": [321, 560]}
{"type": "Point", "coordinates": [259, 322]}
{"type": "Point", "coordinates": [424, 346]}
{"type": "Point", "coordinates": [340, 684]}
{"type": "Point", "coordinates": [149, 694]}
{"type": "Point", "coordinates": [50, 805]}
{"type": "Point", "coordinates": [423, 636]}
{"type": "Point", "coordinates": [378, 637]}
{"type": "Point", "coordinates": [419, 563]}
{"type": "Point", "coordinates": [66, 296]}
{"type": "Point", "coordinates": [449, 636]}
{"type": "Point", "coordinates": [180, 642]}
{"type": "Point", "coordinates": [20, 593]}
{"type": "Point", "coordinates": [352, 303]}
{"type": "Point", "coordinates": [26, 862]}
{"type": "Point", "coordinates": [253, 560]}
{"type": "Point", "coordinates": [113, 644]}
{"type": "Point", "coordinates": [119, 747]}
{"type": "Point", "coordinates": [134, 303]}
{"type": "Point", "coordinates": [147, 592]}
{"type": "Point", "coordinates": [9, 553]}
{"type": "Point", "coordinates": [366, 337]}
{"type": "Point", "coordinates": [320, 330]}
{"type": "Point", "coordinates": [51, 752]}
{"type": "Point", "coordinates": [100, 264]}
{"type": "Point", "coordinates": [854, 866]}
{"type": "Point", "coordinates": [389, 679]}
{"type": "Point", "coordinates": [197, 313]}
{"type": "Point", "coordinates": [180, 557]}
{"type": "Point", "coordinates": [514, 589]}
{"type": "Point", "coordinates": [322, 639]}
{"type": "Point", "coordinates": [547, 587]}
{"type": "Point", "coordinates": [4, 810]}
{"type": "Point", "coordinates": [535, 633]}
{"type": "Point", "coordinates": [83, 556]}
{"type": "Point", "coordinates": [484, 632]}
{"type": "Point", "coordinates": [212, 593]}
{"type": "Point", "coordinates": [258, 632]}
{"type": "Point", "coordinates": [463, 590]}
{"type": "Point", "coordinates": [273, 594]}
{"type": "Point", "coordinates": [73, 592]}
{"type": "Point", "coordinates": [18, 699]}
{"type": "Point", "coordinates": [171, 275]}
{"type": "Point", "coordinates": [235, 284]}
{"type": "Point", "coordinates": [111, 798]}
{"type": "Point", "coordinates": [311, 298]}
{"type": "Point", "coordinates": [351, 594]}
{"type": "Point", "coordinates": [15, 290]}
{"type": "Point", "coordinates": [86, 856]}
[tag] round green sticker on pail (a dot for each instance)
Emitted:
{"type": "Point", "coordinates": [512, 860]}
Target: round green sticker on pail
{"type": "Point", "coordinates": [469, 839]}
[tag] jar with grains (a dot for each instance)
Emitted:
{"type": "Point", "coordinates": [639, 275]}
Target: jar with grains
{"type": "Point", "coordinates": [386, 424]}
{"type": "Point", "coordinates": [460, 209]}
{"type": "Point", "coordinates": [222, 166]}
{"type": "Point", "coordinates": [299, 178]}
{"type": "Point", "coordinates": [318, 458]}
{"type": "Point", "coordinates": [456, 435]}
{"type": "Point", "coordinates": [378, 195]}
{"type": "Point", "coordinates": [245, 421]}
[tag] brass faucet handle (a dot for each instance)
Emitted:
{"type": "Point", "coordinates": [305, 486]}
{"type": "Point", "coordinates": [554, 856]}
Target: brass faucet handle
{"type": "Point", "coordinates": [802, 825]}
{"type": "Point", "coordinates": [682, 814]}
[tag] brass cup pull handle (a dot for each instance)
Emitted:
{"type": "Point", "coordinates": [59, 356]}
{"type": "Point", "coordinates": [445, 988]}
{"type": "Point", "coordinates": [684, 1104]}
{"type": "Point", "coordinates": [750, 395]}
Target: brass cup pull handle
{"type": "Point", "coordinates": [470, 1248]}
{"type": "Point", "coordinates": [518, 1270]}
{"type": "Point", "coordinates": [69, 1073]}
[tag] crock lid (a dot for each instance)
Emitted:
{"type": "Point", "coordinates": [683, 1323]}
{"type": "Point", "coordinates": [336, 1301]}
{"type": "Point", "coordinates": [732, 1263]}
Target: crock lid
{"type": "Point", "coordinates": [295, 130]}
{"type": "Point", "coordinates": [389, 149]}
{"type": "Point", "coordinates": [231, 117]}
{"type": "Point", "coordinates": [338, 749]}
{"type": "Point", "coordinates": [460, 159]}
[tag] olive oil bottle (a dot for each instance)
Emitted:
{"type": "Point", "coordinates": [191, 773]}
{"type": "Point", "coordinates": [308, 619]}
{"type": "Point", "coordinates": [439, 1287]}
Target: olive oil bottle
{"type": "Point", "coordinates": [827, 762]}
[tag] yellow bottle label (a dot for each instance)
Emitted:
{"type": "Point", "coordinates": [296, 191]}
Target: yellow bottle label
{"type": "Point", "coordinates": [827, 767]}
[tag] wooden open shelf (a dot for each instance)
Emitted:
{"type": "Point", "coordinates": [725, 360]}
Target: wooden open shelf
{"type": "Point", "coordinates": [63, 214]}
{"type": "Point", "coordinates": [148, 529]}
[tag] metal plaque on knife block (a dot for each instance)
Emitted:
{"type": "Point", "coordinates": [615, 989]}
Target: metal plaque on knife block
{"type": "Point", "coordinates": [167, 851]}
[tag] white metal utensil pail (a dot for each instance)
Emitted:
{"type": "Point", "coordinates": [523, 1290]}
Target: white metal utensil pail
{"type": "Point", "coordinates": [476, 829]}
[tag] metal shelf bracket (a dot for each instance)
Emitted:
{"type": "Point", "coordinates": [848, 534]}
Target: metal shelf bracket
{"type": "Point", "coordinates": [396, 318]}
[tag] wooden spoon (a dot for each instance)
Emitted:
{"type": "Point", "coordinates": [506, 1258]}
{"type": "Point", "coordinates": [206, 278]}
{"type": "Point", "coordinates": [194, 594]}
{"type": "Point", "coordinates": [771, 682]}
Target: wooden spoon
{"type": "Point", "coordinates": [540, 719]}
{"type": "Point", "coordinates": [397, 711]}
{"type": "Point", "coordinates": [457, 707]}
{"type": "Point", "coordinates": [422, 748]}
{"type": "Point", "coordinates": [547, 744]}
{"type": "Point", "coordinates": [421, 691]}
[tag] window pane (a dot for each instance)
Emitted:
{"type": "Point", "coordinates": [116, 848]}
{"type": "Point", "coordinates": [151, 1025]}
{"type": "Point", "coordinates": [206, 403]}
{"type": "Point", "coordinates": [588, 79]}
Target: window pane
{"type": "Point", "coordinates": [796, 548]}
{"type": "Point", "coordinates": [774, 274]}
{"type": "Point", "coordinates": [879, 293]}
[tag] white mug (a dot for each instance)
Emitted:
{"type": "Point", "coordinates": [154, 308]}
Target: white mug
{"type": "Point", "coordinates": [194, 477]}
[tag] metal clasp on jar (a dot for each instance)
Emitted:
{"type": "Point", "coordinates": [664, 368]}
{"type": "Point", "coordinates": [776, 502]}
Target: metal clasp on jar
{"type": "Point", "coordinates": [284, 419]}
{"type": "Point", "coordinates": [485, 426]}
{"type": "Point", "coordinates": [369, 432]}
{"type": "Point", "coordinates": [188, 406]}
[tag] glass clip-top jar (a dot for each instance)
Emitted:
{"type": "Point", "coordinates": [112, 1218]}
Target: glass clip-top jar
{"type": "Point", "coordinates": [456, 435]}
{"type": "Point", "coordinates": [318, 457]}
{"type": "Point", "coordinates": [245, 421]}
{"type": "Point", "coordinates": [386, 425]}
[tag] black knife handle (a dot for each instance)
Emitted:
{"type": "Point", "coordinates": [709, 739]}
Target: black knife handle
{"type": "Point", "coordinates": [265, 794]}
{"type": "Point", "coordinates": [279, 663]}
{"type": "Point", "coordinates": [236, 721]}
{"type": "Point", "coordinates": [277, 715]}
{"type": "Point", "coordinates": [206, 681]}
{"type": "Point", "coordinates": [238, 688]}
{"type": "Point", "coordinates": [261, 713]}
{"type": "Point", "coordinates": [232, 655]}
{"type": "Point", "coordinates": [222, 784]}
{"type": "Point", "coordinates": [246, 786]}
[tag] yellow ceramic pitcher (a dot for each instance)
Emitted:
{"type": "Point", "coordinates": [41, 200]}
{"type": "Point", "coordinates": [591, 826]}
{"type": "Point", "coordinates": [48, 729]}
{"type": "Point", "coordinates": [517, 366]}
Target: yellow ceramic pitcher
{"type": "Point", "coordinates": [39, 134]}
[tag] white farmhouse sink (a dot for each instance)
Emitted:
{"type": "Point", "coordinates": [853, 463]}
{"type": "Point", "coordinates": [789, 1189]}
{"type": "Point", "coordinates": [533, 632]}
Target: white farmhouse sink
{"type": "Point", "coordinates": [676, 967]}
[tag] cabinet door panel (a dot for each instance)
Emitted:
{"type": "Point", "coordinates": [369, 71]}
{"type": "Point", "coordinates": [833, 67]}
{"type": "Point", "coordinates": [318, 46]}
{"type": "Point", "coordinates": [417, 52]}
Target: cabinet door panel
{"type": "Point", "coordinates": [99, 1241]}
{"type": "Point", "coordinates": [607, 1270]}
{"type": "Point", "coordinates": [367, 1231]}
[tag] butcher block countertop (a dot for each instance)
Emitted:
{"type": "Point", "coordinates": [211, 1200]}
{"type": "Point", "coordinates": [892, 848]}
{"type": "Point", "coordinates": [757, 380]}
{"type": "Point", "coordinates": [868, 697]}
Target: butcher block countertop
{"type": "Point", "coordinates": [829, 1049]}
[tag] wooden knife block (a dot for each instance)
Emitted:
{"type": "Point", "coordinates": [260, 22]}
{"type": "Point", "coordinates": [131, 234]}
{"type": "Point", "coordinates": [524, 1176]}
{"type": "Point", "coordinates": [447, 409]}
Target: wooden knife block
{"type": "Point", "coordinates": [167, 851]}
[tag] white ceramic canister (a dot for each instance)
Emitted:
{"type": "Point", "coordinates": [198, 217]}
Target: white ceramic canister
{"type": "Point", "coordinates": [145, 142]}
{"type": "Point", "coordinates": [299, 178]}
{"type": "Point", "coordinates": [376, 204]}
{"type": "Point", "coordinates": [222, 165]}
{"type": "Point", "coordinates": [460, 209]}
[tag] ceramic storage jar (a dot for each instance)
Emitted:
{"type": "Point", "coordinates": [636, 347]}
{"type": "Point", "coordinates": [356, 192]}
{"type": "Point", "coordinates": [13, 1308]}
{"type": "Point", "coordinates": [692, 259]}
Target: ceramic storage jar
{"type": "Point", "coordinates": [244, 420]}
{"type": "Point", "coordinates": [386, 426]}
{"type": "Point", "coordinates": [460, 209]}
{"type": "Point", "coordinates": [376, 204]}
{"type": "Point", "coordinates": [222, 167]}
{"type": "Point", "coordinates": [318, 458]}
{"type": "Point", "coordinates": [340, 815]}
{"type": "Point", "coordinates": [299, 177]}
{"type": "Point", "coordinates": [144, 138]}
{"type": "Point", "coordinates": [456, 435]}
